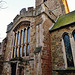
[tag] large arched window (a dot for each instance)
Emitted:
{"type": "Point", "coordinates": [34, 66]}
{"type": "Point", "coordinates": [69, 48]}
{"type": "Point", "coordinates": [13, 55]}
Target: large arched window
{"type": "Point", "coordinates": [68, 50]}
{"type": "Point", "coordinates": [21, 40]}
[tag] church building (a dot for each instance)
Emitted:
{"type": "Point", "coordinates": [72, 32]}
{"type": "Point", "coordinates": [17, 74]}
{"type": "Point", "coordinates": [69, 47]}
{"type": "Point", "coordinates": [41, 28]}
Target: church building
{"type": "Point", "coordinates": [41, 40]}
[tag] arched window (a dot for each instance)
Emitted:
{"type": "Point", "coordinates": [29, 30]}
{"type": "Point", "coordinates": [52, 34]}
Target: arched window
{"type": "Point", "coordinates": [21, 40]}
{"type": "Point", "coordinates": [68, 50]}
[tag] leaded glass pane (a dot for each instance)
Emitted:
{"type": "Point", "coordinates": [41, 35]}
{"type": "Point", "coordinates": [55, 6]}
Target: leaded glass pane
{"type": "Point", "coordinates": [28, 34]}
{"type": "Point", "coordinates": [21, 36]}
{"type": "Point", "coordinates": [24, 35]}
{"type": "Point", "coordinates": [18, 38]}
{"type": "Point", "coordinates": [27, 52]}
{"type": "Point", "coordinates": [23, 51]}
{"type": "Point", "coordinates": [68, 51]}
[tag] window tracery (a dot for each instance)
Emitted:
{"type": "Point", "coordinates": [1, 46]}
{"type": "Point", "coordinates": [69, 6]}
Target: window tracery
{"type": "Point", "coordinates": [21, 42]}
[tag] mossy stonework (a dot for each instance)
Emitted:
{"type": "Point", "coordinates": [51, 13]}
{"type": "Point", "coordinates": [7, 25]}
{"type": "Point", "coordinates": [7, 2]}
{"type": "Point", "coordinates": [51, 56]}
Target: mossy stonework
{"type": "Point", "coordinates": [58, 54]}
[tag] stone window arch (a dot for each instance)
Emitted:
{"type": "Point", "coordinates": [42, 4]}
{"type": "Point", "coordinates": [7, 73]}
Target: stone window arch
{"type": "Point", "coordinates": [68, 50]}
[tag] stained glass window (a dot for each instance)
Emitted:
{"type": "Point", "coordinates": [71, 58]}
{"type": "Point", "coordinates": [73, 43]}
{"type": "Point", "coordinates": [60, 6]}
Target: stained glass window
{"type": "Point", "coordinates": [68, 51]}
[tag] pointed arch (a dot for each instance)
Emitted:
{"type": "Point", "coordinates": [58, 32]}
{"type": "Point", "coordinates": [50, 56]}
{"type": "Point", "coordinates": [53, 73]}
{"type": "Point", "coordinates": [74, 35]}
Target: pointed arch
{"type": "Point", "coordinates": [68, 50]}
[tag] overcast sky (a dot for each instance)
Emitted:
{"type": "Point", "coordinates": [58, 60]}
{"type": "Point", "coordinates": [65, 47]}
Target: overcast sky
{"type": "Point", "coordinates": [13, 7]}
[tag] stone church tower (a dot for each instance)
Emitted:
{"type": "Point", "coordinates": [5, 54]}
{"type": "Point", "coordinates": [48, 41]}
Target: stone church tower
{"type": "Point", "coordinates": [28, 39]}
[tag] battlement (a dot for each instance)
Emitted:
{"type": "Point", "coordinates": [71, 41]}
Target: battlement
{"type": "Point", "coordinates": [9, 27]}
{"type": "Point", "coordinates": [28, 12]}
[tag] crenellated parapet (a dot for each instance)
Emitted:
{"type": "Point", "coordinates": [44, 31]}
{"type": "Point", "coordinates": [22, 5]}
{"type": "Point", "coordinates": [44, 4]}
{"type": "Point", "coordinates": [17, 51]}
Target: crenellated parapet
{"type": "Point", "coordinates": [31, 12]}
{"type": "Point", "coordinates": [9, 27]}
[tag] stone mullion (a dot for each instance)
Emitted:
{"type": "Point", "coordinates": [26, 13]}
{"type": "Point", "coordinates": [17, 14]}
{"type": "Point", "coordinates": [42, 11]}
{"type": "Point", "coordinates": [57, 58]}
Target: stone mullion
{"type": "Point", "coordinates": [21, 50]}
{"type": "Point", "coordinates": [15, 52]}
{"type": "Point", "coordinates": [16, 39]}
{"type": "Point", "coordinates": [26, 41]}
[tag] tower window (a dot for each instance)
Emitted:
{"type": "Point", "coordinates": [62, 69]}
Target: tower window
{"type": "Point", "coordinates": [68, 50]}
